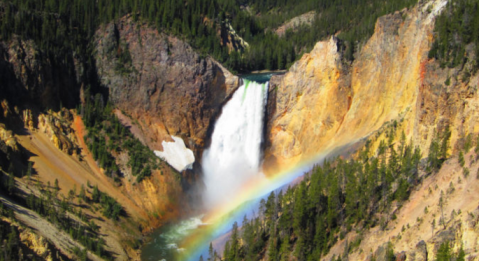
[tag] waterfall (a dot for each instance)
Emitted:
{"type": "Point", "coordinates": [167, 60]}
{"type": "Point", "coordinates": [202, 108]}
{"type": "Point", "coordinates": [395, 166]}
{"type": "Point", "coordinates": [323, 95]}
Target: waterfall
{"type": "Point", "coordinates": [234, 156]}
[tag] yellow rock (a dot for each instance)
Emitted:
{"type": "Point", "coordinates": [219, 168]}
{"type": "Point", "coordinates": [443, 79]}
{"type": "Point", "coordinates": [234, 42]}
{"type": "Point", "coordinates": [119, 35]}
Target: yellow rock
{"type": "Point", "coordinates": [324, 103]}
{"type": "Point", "coordinates": [8, 138]}
{"type": "Point", "coordinates": [36, 243]}
{"type": "Point", "coordinates": [5, 108]}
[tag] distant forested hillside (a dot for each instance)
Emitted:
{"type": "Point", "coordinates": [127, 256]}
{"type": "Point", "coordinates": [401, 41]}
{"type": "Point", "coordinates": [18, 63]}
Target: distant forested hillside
{"type": "Point", "coordinates": [65, 26]}
{"type": "Point", "coordinates": [456, 28]}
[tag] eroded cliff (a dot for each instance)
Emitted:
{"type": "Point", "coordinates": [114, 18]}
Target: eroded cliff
{"type": "Point", "coordinates": [158, 80]}
{"type": "Point", "coordinates": [324, 103]}
{"type": "Point", "coordinates": [159, 87]}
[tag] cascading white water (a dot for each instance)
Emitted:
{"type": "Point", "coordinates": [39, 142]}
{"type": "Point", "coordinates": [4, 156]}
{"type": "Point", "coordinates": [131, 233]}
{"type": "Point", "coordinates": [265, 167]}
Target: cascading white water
{"type": "Point", "coordinates": [233, 158]}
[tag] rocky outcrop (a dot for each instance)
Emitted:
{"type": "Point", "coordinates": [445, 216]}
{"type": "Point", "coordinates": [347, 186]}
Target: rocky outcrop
{"type": "Point", "coordinates": [420, 253]}
{"type": "Point", "coordinates": [323, 103]}
{"type": "Point", "coordinates": [440, 103]}
{"type": "Point", "coordinates": [13, 156]}
{"type": "Point", "coordinates": [29, 244]}
{"type": "Point", "coordinates": [7, 137]}
{"type": "Point", "coordinates": [231, 39]}
{"type": "Point", "coordinates": [57, 126]}
{"type": "Point", "coordinates": [296, 22]}
{"type": "Point", "coordinates": [31, 77]}
{"type": "Point", "coordinates": [36, 243]}
{"type": "Point", "coordinates": [158, 80]}
{"type": "Point", "coordinates": [296, 115]}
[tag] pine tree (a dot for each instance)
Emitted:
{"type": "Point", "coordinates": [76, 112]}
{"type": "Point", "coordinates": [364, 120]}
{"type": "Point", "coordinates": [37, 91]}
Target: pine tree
{"type": "Point", "coordinates": [461, 159]}
{"type": "Point", "coordinates": [461, 256]}
{"type": "Point", "coordinates": [434, 154]}
{"type": "Point", "coordinates": [270, 207]}
{"type": "Point", "coordinates": [441, 206]}
{"type": "Point", "coordinates": [82, 194]}
{"type": "Point", "coordinates": [211, 253]}
{"type": "Point", "coordinates": [476, 148]}
{"type": "Point", "coordinates": [234, 250]}
{"type": "Point", "coordinates": [299, 249]}
{"type": "Point", "coordinates": [95, 196]}
{"type": "Point", "coordinates": [390, 252]}
{"type": "Point", "coordinates": [285, 252]}
{"type": "Point", "coordinates": [444, 252]}
{"type": "Point", "coordinates": [57, 188]}
{"type": "Point", "coordinates": [300, 208]}
{"type": "Point", "coordinates": [227, 250]}
{"type": "Point", "coordinates": [248, 238]}
{"type": "Point", "coordinates": [446, 135]}
{"type": "Point", "coordinates": [272, 248]}
{"type": "Point", "coordinates": [11, 183]}
{"type": "Point", "coordinates": [468, 143]}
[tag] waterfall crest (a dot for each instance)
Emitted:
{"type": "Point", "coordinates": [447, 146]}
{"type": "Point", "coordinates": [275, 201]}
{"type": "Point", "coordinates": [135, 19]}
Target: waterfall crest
{"type": "Point", "coordinates": [234, 156]}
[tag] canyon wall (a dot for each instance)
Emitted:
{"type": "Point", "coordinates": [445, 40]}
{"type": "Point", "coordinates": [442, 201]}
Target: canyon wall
{"type": "Point", "coordinates": [324, 102]}
{"type": "Point", "coordinates": [159, 81]}
{"type": "Point", "coordinates": [158, 85]}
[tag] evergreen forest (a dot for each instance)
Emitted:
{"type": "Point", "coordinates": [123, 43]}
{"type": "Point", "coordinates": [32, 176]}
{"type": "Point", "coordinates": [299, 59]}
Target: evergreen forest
{"type": "Point", "coordinates": [457, 32]}
{"type": "Point", "coordinates": [64, 29]}
{"type": "Point", "coordinates": [305, 220]}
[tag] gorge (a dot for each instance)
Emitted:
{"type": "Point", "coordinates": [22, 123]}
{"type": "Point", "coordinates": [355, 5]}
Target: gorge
{"type": "Point", "coordinates": [229, 164]}
{"type": "Point", "coordinates": [127, 134]}
{"type": "Point", "coordinates": [317, 102]}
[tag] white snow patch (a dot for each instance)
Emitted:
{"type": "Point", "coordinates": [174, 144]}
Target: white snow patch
{"type": "Point", "coordinates": [176, 154]}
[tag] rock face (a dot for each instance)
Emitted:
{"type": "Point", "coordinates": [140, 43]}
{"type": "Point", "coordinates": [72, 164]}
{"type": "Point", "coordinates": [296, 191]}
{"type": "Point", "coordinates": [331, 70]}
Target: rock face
{"type": "Point", "coordinates": [30, 78]}
{"type": "Point", "coordinates": [231, 39]}
{"type": "Point", "coordinates": [323, 103]}
{"type": "Point", "coordinates": [302, 20]}
{"type": "Point", "coordinates": [161, 83]}
{"type": "Point", "coordinates": [420, 252]}
{"type": "Point", "coordinates": [296, 115]}
{"type": "Point", "coordinates": [161, 87]}
{"type": "Point", "coordinates": [62, 135]}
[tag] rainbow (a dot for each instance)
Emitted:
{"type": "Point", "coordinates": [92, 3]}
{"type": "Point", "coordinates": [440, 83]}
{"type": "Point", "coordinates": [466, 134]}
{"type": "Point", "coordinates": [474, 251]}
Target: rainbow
{"type": "Point", "coordinates": [220, 220]}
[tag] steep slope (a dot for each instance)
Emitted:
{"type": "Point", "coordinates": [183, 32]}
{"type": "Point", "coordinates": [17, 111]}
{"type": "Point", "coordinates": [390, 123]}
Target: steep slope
{"type": "Point", "coordinates": [323, 103]}
{"type": "Point", "coordinates": [161, 83]}
{"type": "Point", "coordinates": [159, 88]}
{"type": "Point", "coordinates": [416, 233]}
{"type": "Point", "coordinates": [26, 91]}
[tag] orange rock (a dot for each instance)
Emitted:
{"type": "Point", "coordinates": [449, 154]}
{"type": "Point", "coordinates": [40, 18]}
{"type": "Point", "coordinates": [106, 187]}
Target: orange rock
{"type": "Point", "coordinates": [324, 102]}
